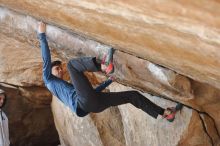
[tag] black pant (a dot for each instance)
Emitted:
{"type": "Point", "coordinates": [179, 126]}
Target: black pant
{"type": "Point", "coordinates": [91, 101]}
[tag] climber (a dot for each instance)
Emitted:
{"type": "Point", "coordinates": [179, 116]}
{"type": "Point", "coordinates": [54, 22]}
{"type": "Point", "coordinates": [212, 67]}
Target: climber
{"type": "Point", "coordinates": [80, 95]}
{"type": "Point", "coordinates": [4, 132]}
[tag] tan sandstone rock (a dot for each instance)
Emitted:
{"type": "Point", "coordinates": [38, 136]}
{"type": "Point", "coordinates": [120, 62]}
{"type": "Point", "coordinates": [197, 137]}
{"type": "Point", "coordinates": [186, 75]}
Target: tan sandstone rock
{"type": "Point", "coordinates": [182, 36]}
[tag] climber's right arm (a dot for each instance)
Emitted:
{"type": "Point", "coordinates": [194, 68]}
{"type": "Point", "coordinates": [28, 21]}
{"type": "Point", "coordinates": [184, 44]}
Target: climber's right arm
{"type": "Point", "coordinates": [103, 85]}
{"type": "Point", "coordinates": [45, 52]}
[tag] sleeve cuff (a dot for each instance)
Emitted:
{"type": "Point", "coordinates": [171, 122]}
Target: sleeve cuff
{"type": "Point", "coordinates": [41, 35]}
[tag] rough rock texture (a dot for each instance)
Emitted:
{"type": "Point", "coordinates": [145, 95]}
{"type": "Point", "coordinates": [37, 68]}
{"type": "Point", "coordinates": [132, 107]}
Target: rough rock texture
{"type": "Point", "coordinates": [146, 35]}
{"type": "Point", "coordinates": [160, 31]}
{"type": "Point", "coordinates": [137, 128]}
{"type": "Point", "coordinates": [95, 130]}
{"type": "Point", "coordinates": [30, 123]}
{"type": "Point", "coordinates": [140, 129]}
{"type": "Point", "coordinates": [28, 105]}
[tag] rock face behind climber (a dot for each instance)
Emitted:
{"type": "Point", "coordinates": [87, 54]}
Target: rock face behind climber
{"type": "Point", "coordinates": [80, 96]}
{"type": "Point", "coordinates": [4, 131]}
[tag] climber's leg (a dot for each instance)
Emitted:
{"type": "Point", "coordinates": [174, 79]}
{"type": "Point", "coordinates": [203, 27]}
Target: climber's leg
{"type": "Point", "coordinates": [87, 98]}
{"type": "Point", "coordinates": [133, 97]}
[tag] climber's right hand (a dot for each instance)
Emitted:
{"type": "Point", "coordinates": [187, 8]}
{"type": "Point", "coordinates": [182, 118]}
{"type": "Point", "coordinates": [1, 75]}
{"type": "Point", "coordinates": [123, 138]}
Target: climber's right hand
{"type": "Point", "coordinates": [41, 27]}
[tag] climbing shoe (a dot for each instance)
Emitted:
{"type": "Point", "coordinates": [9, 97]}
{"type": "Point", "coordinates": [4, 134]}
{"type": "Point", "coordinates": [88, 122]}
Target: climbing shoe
{"type": "Point", "coordinates": [107, 60]}
{"type": "Point", "coordinates": [170, 113]}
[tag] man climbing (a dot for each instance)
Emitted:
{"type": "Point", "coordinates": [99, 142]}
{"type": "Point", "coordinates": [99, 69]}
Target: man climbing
{"type": "Point", "coordinates": [4, 132]}
{"type": "Point", "coordinates": [80, 96]}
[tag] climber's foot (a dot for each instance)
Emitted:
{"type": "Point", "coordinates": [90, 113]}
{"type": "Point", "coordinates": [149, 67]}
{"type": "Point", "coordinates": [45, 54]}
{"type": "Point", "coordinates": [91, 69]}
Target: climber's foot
{"type": "Point", "coordinates": [170, 112]}
{"type": "Point", "coordinates": [107, 62]}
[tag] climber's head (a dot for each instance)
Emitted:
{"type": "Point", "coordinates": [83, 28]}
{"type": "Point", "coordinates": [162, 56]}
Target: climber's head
{"type": "Point", "coordinates": [2, 98]}
{"type": "Point", "coordinates": [57, 70]}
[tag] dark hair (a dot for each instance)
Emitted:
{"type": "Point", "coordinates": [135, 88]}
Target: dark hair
{"type": "Point", "coordinates": [56, 63]}
{"type": "Point", "coordinates": [4, 102]}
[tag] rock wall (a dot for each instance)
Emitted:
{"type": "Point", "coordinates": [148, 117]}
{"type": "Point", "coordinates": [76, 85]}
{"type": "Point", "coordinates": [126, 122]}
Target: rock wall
{"type": "Point", "coordinates": [30, 118]}
{"type": "Point", "coordinates": [159, 31]}
{"type": "Point", "coordinates": [126, 125]}
{"type": "Point", "coordinates": [166, 50]}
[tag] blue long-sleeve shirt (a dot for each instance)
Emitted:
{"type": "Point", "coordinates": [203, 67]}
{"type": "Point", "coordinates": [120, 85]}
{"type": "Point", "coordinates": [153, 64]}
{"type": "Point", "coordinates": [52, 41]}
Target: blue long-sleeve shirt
{"type": "Point", "coordinates": [58, 87]}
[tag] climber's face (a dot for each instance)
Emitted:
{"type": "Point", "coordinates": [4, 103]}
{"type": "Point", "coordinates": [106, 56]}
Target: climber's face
{"type": "Point", "coordinates": [2, 98]}
{"type": "Point", "coordinates": [57, 71]}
